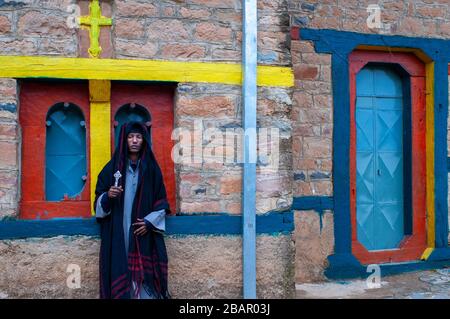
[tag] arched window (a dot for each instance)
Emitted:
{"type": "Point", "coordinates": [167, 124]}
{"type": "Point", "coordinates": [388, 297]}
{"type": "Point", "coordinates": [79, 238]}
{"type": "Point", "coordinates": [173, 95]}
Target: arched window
{"type": "Point", "coordinates": [130, 112]}
{"type": "Point", "coordinates": [65, 152]}
{"type": "Point", "coordinates": [55, 149]}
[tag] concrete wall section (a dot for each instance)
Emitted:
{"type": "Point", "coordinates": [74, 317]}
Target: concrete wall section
{"type": "Point", "coordinates": [199, 267]}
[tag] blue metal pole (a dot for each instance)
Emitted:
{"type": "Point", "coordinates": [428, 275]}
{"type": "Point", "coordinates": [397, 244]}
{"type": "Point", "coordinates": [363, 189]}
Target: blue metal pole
{"type": "Point", "coordinates": [249, 57]}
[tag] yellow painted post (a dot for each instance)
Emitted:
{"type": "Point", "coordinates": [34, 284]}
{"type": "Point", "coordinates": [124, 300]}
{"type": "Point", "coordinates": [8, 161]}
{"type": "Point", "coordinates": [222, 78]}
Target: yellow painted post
{"type": "Point", "coordinates": [426, 254]}
{"type": "Point", "coordinates": [100, 129]}
{"type": "Point", "coordinates": [139, 70]}
{"type": "Point", "coordinates": [430, 154]}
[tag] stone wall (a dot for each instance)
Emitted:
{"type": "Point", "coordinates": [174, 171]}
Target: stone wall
{"type": "Point", "coordinates": [205, 30]}
{"type": "Point", "coordinates": [199, 267]}
{"type": "Point", "coordinates": [32, 27]}
{"type": "Point", "coordinates": [190, 30]}
{"type": "Point", "coordinates": [312, 109]}
{"type": "Point", "coordinates": [10, 150]}
{"type": "Point", "coordinates": [312, 121]}
{"type": "Point", "coordinates": [177, 31]}
{"type": "Point", "coordinates": [422, 18]}
{"type": "Point", "coordinates": [213, 186]}
{"type": "Point", "coordinates": [314, 242]}
{"type": "Point", "coordinates": [211, 267]}
{"type": "Point", "coordinates": [197, 30]}
{"type": "Point", "coordinates": [312, 156]}
{"type": "Point", "coordinates": [27, 28]}
{"type": "Point", "coordinates": [37, 267]}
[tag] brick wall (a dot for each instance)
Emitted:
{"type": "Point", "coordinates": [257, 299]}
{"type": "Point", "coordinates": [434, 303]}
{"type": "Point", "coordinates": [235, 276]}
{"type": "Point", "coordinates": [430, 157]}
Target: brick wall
{"type": "Point", "coordinates": [312, 100]}
{"type": "Point", "coordinates": [211, 30]}
{"type": "Point", "coordinates": [9, 146]}
{"type": "Point", "coordinates": [312, 109]}
{"type": "Point", "coordinates": [426, 18]}
{"type": "Point", "coordinates": [31, 27]}
{"type": "Point", "coordinates": [191, 30]}
{"type": "Point", "coordinates": [197, 30]}
{"type": "Point", "coordinates": [203, 185]}
{"type": "Point", "coordinates": [312, 121]}
{"type": "Point", "coordinates": [27, 27]}
{"type": "Point", "coordinates": [208, 186]}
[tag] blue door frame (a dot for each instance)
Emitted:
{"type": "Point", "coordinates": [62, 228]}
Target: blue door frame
{"type": "Point", "coordinates": [340, 44]}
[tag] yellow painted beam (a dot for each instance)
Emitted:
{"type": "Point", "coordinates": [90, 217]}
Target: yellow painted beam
{"type": "Point", "coordinates": [430, 154]}
{"type": "Point", "coordinates": [138, 70]}
{"type": "Point", "coordinates": [274, 76]}
{"type": "Point", "coordinates": [426, 254]}
{"type": "Point", "coordinates": [100, 132]}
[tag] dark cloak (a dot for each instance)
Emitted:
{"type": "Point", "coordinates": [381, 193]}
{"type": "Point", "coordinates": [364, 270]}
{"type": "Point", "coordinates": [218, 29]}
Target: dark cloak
{"type": "Point", "coordinates": [146, 262]}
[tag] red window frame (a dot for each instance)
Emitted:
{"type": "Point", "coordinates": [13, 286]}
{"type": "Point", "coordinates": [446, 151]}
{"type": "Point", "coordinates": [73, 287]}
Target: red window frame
{"type": "Point", "coordinates": [412, 246]}
{"type": "Point", "coordinates": [36, 99]}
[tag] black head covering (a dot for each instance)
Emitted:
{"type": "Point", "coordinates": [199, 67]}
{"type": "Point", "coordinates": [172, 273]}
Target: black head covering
{"type": "Point", "coordinates": [121, 153]}
{"type": "Point", "coordinates": [135, 127]}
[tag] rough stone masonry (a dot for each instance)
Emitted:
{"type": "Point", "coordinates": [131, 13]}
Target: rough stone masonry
{"type": "Point", "coordinates": [202, 31]}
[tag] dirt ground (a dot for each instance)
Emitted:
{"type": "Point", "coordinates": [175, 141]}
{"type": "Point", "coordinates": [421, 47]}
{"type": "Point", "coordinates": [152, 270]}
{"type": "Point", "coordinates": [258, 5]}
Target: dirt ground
{"type": "Point", "coordinates": [432, 284]}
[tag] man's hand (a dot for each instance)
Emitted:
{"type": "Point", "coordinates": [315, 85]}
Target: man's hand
{"type": "Point", "coordinates": [115, 191]}
{"type": "Point", "coordinates": [141, 227]}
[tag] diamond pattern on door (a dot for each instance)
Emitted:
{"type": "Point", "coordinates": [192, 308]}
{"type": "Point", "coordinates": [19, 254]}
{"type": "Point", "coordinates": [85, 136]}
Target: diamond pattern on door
{"type": "Point", "coordinates": [389, 124]}
{"type": "Point", "coordinates": [379, 158]}
{"type": "Point", "coordinates": [364, 222]}
{"type": "Point", "coordinates": [364, 127]}
{"type": "Point", "coordinates": [364, 171]}
{"type": "Point", "coordinates": [389, 187]}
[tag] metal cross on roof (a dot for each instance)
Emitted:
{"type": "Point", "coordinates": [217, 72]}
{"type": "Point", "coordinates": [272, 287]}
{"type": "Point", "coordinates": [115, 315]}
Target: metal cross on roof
{"type": "Point", "coordinates": [94, 21]}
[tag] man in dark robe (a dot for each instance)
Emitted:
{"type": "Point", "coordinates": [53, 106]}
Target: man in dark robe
{"type": "Point", "coordinates": [133, 257]}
